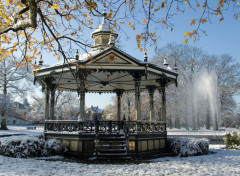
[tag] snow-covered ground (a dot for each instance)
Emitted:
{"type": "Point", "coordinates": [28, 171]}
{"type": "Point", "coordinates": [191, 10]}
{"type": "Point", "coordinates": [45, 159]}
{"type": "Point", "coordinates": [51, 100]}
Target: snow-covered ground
{"type": "Point", "coordinates": [220, 161]}
{"type": "Point", "coordinates": [16, 130]}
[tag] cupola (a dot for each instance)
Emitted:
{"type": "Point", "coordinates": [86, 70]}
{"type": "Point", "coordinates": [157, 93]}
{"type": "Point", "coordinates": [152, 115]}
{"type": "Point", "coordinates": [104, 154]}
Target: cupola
{"type": "Point", "coordinates": [103, 36]}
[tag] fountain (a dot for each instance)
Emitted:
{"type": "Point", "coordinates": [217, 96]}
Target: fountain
{"type": "Point", "coordinates": [206, 98]}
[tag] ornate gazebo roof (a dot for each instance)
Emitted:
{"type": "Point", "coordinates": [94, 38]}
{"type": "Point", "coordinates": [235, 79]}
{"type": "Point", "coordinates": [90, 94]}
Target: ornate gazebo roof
{"type": "Point", "coordinates": [104, 69]}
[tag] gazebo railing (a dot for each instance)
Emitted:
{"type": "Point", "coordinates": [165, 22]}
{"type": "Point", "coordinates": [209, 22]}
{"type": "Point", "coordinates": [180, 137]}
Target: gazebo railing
{"type": "Point", "coordinates": [105, 126]}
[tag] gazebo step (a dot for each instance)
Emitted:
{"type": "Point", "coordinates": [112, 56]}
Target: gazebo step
{"type": "Point", "coordinates": [111, 145]}
{"type": "Point", "coordinates": [113, 155]}
{"type": "Point", "coordinates": [109, 151]}
{"type": "Point", "coordinates": [111, 141]}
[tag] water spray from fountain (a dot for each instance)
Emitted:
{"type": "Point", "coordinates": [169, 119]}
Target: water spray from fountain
{"type": "Point", "coordinates": [206, 97]}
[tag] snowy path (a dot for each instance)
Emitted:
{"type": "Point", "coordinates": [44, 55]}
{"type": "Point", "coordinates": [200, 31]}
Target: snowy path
{"type": "Point", "coordinates": [224, 162]}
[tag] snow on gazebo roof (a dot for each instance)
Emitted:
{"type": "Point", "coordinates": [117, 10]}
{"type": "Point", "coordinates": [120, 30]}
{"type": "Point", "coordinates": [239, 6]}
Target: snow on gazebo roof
{"type": "Point", "coordinates": [105, 68]}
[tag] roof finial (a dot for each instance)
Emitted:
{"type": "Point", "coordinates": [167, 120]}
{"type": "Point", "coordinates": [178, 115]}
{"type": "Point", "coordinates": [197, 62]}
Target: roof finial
{"type": "Point", "coordinates": [175, 66]}
{"type": "Point", "coordinates": [145, 57]}
{"type": "Point", "coordinates": [165, 63]}
{"type": "Point", "coordinates": [77, 55]}
{"type": "Point", "coordinates": [40, 62]}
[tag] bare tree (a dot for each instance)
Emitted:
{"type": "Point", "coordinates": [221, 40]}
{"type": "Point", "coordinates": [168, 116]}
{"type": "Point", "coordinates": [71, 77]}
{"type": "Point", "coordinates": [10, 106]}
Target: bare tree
{"type": "Point", "coordinates": [11, 82]}
{"type": "Point", "coordinates": [192, 62]}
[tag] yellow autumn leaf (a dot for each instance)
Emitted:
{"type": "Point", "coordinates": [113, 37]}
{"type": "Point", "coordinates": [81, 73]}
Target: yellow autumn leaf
{"type": "Point", "coordinates": [163, 5]}
{"type": "Point", "coordinates": [85, 15]}
{"type": "Point", "coordinates": [8, 2]}
{"type": "Point", "coordinates": [155, 10]}
{"type": "Point", "coordinates": [186, 1]}
{"type": "Point", "coordinates": [185, 41]}
{"type": "Point", "coordinates": [193, 22]}
{"type": "Point", "coordinates": [145, 20]}
{"type": "Point", "coordinates": [145, 50]}
{"type": "Point", "coordinates": [141, 49]}
{"type": "Point", "coordinates": [54, 6]}
{"type": "Point", "coordinates": [132, 7]}
{"type": "Point", "coordinates": [186, 34]}
{"type": "Point", "coordinates": [221, 20]}
{"type": "Point", "coordinates": [109, 15]}
{"type": "Point", "coordinates": [198, 5]}
{"type": "Point", "coordinates": [146, 2]}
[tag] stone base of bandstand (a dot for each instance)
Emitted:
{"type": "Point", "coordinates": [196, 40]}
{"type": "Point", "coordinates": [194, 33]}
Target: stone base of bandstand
{"type": "Point", "coordinates": [139, 145]}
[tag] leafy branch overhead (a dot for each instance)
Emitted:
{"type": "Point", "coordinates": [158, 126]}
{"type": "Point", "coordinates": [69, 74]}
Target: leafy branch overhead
{"type": "Point", "coordinates": [58, 26]}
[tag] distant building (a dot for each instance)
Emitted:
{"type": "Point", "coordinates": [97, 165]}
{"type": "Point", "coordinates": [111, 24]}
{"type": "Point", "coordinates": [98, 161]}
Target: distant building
{"type": "Point", "coordinates": [93, 112]}
{"type": "Point", "coordinates": [21, 109]}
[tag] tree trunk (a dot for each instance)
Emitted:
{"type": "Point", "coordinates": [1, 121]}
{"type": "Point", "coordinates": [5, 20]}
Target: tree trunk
{"type": "Point", "coordinates": [4, 124]}
{"type": "Point", "coordinates": [4, 120]}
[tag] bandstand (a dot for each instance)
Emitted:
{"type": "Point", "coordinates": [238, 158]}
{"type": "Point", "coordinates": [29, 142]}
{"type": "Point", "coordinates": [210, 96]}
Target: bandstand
{"type": "Point", "coordinates": [106, 69]}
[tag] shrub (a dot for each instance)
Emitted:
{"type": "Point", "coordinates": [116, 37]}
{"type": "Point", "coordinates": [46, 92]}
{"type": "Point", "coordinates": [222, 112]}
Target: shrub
{"type": "Point", "coordinates": [232, 140]}
{"type": "Point", "coordinates": [27, 146]}
{"type": "Point", "coordinates": [184, 147]}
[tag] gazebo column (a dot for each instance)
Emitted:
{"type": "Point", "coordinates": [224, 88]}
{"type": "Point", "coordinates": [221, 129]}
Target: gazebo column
{"type": "Point", "coordinates": [162, 92]}
{"type": "Point", "coordinates": [47, 90]}
{"type": "Point", "coordinates": [119, 93]}
{"type": "Point", "coordinates": [137, 79]}
{"type": "Point", "coordinates": [151, 90]}
{"type": "Point", "coordinates": [52, 101]}
{"type": "Point", "coordinates": [163, 104]}
{"type": "Point", "coordinates": [48, 84]}
{"type": "Point", "coordinates": [82, 105]}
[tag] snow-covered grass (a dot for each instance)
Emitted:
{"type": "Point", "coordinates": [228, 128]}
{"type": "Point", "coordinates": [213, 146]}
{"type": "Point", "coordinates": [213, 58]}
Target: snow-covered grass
{"type": "Point", "coordinates": [29, 146]}
{"type": "Point", "coordinates": [13, 130]}
{"type": "Point", "coordinates": [221, 162]}
{"type": "Point", "coordinates": [201, 132]}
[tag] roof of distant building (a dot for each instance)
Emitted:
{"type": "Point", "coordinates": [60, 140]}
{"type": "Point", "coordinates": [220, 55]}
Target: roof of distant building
{"type": "Point", "coordinates": [95, 109]}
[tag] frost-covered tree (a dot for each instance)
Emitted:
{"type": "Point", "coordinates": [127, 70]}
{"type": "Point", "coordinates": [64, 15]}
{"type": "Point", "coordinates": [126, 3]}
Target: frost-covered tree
{"type": "Point", "coordinates": [6, 110]}
{"type": "Point", "coordinates": [193, 62]}
{"type": "Point", "coordinates": [36, 114]}
{"type": "Point", "coordinates": [14, 81]}
{"type": "Point", "coordinates": [67, 103]}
